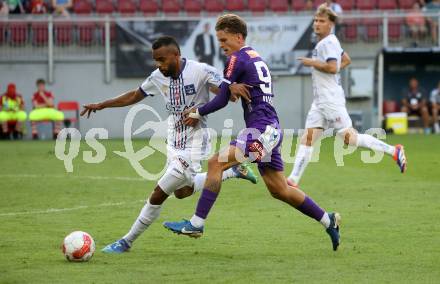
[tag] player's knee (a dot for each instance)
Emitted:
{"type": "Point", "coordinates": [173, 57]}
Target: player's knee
{"type": "Point", "coordinates": [214, 164]}
{"type": "Point", "coordinates": [183, 192]}
{"type": "Point", "coordinates": [158, 196]}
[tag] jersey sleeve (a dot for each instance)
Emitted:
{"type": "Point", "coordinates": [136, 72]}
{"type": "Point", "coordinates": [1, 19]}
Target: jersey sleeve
{"type": "Point", "coordinates": [331, 50]}
{"type": "Point", "coordinates": [149, 87]}
{"type": "Point", "coordinates": [232, 73]}
{"type": "Point", "coordinates": [212, 76]}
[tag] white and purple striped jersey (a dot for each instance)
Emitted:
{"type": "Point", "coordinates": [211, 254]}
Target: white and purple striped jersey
{"type": "Point", "coordinates": [190, 89]}
{"type": "Point", "coordinates": [327, 87]}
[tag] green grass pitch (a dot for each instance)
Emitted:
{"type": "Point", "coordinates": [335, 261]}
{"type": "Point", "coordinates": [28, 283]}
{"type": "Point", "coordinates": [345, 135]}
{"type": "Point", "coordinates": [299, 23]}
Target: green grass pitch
{"type": "Point", "coordinates": [390, 230]}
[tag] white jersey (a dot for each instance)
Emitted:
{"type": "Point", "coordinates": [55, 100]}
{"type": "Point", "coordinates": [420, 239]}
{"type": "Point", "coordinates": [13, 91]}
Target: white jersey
{"type": "Point", "coordinates": [327, 87]}
{"type": "Point", "coordinates": [190, 89]}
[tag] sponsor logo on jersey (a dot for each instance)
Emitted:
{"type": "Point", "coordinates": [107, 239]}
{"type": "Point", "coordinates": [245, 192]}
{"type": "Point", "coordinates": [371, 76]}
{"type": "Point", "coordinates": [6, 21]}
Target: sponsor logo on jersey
{"type": "Point", "coordinates": [183, 162]}
{"type": "Point", "coordinates": [252, 53]}
{"type": "Point", "coordinates": [231, 66]}
{"type": "Point", "coordinates": [190, 90]}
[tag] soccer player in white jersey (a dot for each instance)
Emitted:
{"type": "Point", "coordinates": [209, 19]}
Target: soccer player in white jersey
{"type": "Point", "coordinates": [328, 108]}
{"type": "Point", "coordinates": [183, 84]}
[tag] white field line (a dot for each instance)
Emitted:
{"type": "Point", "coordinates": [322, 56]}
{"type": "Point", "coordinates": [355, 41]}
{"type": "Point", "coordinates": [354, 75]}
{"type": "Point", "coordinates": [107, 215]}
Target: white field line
{"type": "Point", "coordinates": [57, 210]}
{"type": "Point", "coordinates": [72, 176]}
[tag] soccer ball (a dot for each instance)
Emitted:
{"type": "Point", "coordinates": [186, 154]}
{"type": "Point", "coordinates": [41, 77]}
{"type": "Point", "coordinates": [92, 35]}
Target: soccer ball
{"type": "Point", "coordinates": [78, 246]}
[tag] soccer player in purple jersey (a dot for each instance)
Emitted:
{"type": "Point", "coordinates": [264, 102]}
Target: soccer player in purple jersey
{"type": "Point", "coordinates": [261, 140]}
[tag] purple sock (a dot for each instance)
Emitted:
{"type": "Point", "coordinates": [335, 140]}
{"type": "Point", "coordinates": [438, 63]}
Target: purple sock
{"type": "Point", "coordinates": [206, 201]}
{"type": "Point", "coordinates": [311, 209]}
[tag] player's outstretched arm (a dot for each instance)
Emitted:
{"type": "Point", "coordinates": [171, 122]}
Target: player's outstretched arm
{"type": "Point", "coordinates": [126, 99]}
{"type": "Point", "coordinates": [345, 60]}
{"type": "Point", "coordinates": [330, 66]}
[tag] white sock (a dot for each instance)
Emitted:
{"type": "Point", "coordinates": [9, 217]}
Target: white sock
{"type": "Point", "coordinates": [325, 220]}
{"type": "Point", "coordinates": [302, 159]}
{"type": "Point", "coordinates": [199, 179]}
{"type": "Point", "coordinates": [148, 215]}
{"type": "Point", "coordinates": [197, 222]}
{"type": "Point", "coordinates": [371, 142]}
{"type": "Point", "coordinates": [436, 127]}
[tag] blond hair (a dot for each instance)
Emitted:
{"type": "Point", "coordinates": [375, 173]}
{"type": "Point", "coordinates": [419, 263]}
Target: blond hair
{"type": "Point", "coordinates": [325, 10]}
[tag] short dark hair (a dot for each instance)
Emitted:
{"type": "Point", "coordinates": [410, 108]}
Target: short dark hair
{"type": "Point", "coordinates": [231, 23]}
{"type": "Point", "coordinates": [40, 81]}
{"type": "Point", "coordinates": [165, 41]}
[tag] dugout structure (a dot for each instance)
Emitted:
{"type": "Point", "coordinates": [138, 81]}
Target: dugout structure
{"type": "Point", "coordinates": [395, 66]}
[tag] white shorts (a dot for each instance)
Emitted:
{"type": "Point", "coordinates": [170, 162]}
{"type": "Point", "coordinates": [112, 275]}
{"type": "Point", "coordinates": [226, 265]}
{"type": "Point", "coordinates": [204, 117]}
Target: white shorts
{"type": "Point", "coordinates": [326, 117]}
{"type": "Point", "coordinates": [180, 172]}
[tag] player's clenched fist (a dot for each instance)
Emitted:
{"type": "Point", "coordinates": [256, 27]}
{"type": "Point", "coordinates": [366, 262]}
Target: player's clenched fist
{"type": "Point", "coordinates": [191, 117]}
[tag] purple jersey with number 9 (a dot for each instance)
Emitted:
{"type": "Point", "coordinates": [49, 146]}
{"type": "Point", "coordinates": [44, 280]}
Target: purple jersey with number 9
{"type": "Point", "coordinates": [246, 66]}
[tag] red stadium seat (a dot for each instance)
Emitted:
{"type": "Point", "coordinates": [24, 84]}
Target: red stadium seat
{"type": "Point", "coordinates": [372, 28]}
{"type": "Point", "coordinates": [366, 5]}
{"type": "Point", "coordinates": [279, 6]}
{"type": "Point", "coordinates": [171, 6]}
{"type": "Point", "coordinates": [104, 7]}
{"type": "Point", "coordinates": [70, 106]}
{"type": "Point", "coordinates": [257, 6]}
{"type": "Point", "coordinates": [395, 28]}
{"type": "Point", "coordinates": [387, 5]}
{"type": "Point", "coordinates": [214, 6]}
{"type": "Point", "coordinates": [235, 5]}
{"type": "Point", "coordinates": [299, 5]}
{"type": "Point", "coordinates": [192, 6]}
{"type": "Point", "coordinates": [350, 28]}
{"type": "Point", "coordinates": [82, 7]}
{"type": "Point", "coordinates": [86, 33]}
{"type": "Point", "coordinates": [18, 33]}
{"type": "Point", "coordinates": [148, 6]}
{"type": "Point", "coordinates": [63, 33]}
{"type": "Point", "coordinates": [127, 7]}
{"type": "Point", "coordinates": [346, 5]}
{"type": "Point", "coordinates": [406, 4]}
{"type": "Point", "coordinates": [40, 33]}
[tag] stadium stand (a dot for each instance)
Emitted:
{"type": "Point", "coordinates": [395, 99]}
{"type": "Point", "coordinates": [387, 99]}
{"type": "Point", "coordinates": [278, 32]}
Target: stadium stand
{"type": "Point", "coordinates": [214, 6]}
{"type": "Point", "coordinates": [257, 6]}
{"type": "Point", "coordinates": [366, 5]}
{"type": "Point", "coordinates": [171, 6]}
{"type": "Point", "coordinates": [235, 5]}
{"type": "Point", "coordinates": [148, 7]}
{"type": "Point", "coordinates": [18, 33]}
{"type": "Point", "coordinates": [82, 7]}
{"type": "Point", "coordinates": [40, 33]}
{"type": "Point", "coordinates": [104, 7]}
{"type": "Point", "coordinates": [192, 7]}
{"type": "Point", "coordinates": [126, 7]}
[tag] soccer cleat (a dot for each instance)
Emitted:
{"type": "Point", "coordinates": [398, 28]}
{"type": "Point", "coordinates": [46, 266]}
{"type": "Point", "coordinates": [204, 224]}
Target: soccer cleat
{"type": "Point", "coordinates": [185, 228]}
{"type": "Point", "coordinates": [120, 246]}
{"type": "Point", "coordinates": [333, 229]}
{"type": "Point", "coordinates": [400, 158]}
{"type": "Point", "coordinates": [245, 171]}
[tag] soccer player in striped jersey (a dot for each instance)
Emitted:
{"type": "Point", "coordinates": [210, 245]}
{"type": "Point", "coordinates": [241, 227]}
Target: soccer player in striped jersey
{"type": "Point", "coordinates": [183, 84]}
{"type": "Point", "coordinates": [328, 108]}
{"type": "Point", "coordinates": [260, 141]}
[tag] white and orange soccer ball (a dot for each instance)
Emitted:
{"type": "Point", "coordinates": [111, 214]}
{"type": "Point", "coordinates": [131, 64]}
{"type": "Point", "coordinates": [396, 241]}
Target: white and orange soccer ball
{"type": "Point", "coordinates": [78, 246]}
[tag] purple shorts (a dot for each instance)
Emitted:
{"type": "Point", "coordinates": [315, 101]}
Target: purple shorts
{"type": "Point", "coordinates": [273, 160]}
